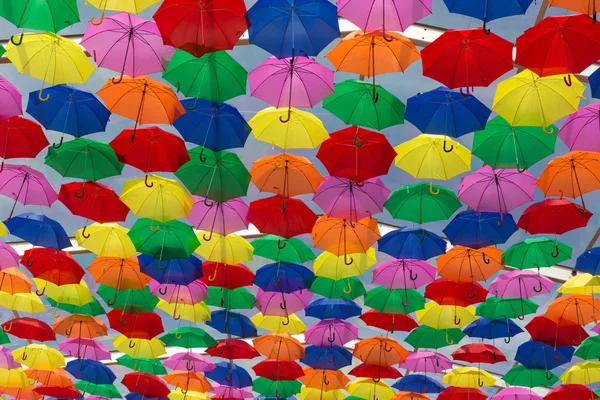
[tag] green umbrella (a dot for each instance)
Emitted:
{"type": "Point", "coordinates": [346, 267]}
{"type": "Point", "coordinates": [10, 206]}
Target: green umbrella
{"type": "Point", "coordinates": [416, 203]}
{"type": "Point", "coordinates": [188, 337]}
{"type": "Point", "coordinates": [496, 307]}
{"type": "Point", "coordinates": [215, 76]}
{"type": "Point", "coordinates": [94, 308]}
{"type": "Point", "coordinates": [2, 50]}
{"type": "Point", "coordinates": [425, 337]}
{"type": "Point", "coordinates": [589, 349]}
{"type": "Point", "coordinates": [279, 389]}
{"type": "Point", "coordinates": [216, 175]}
{"type": "Point", "coordinates": [46, 15]}
{"type": "Point", "coordinates": [337, 289]}
{"type": "Point", "coordinates": [536, 253]}
{"type": "Point", "coordinates": [396, 301]}
{"type": "Point", "coordinates": [104, 390]}
{"type": "Point", "coordinates": [521, 376]}
{"type": "Point", "coordinates": [277, 248]}
{"type": "Point", "coordinates": [353, 103]}
{"type": "Point", "coordinates": [132, 301]}
{"type": "Point", "coordinates": [147, 365]}
{"type": "Point", "coordinates": [501, 145]}
{"type": "Point", "coordinates": [233, 299]}
{"type": "Point", "coordinates": [3, 337]}
{"type": "Point", "coordinates": [86, 159]}
{"type": "Point", "coordinates": [163, 240]}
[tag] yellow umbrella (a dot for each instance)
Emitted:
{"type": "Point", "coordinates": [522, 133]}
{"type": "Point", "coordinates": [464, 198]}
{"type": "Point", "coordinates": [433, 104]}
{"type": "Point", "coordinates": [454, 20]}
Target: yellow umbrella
{"type": "Point", "coordinates": [230, 249]}
{"type": "Point", "coordinates": [581, 283]}
{"type": "Point", "coordinates": [107, 240]}
{"type": "Point", "coordinates": [330, 266]}
{"type": "Point", "coordinates": [14, 377]}
{"type": "Point", "coordinates": [25, 302]}
{"type": "Point", "coordinates": [161, 199]}
{"type": "Point", "coordinates": [72, 294]}
{"type": "Point", "coordinates": [583, 373]}
{"type": "Point", "coordinates": [130, 6]}
{"type": "Point", "coordinates": [198, 312]}
{"type": "Point", "coordinates": [529, 100]}
{"type": "Point", "coordinates": [366, 388]}
{"type": "Point", "coordinates": [50, 58]}
{"type": "Point", "coordinates": [177, 394]}
{"type": "Point", "coordinates": [317, 394]}
{"type": "Point", "coordinates": [445, 317]}
{"type": "Point", "coordinates": [469, 377]}
{"type": "Point", "coordinates": [39, 356]}
{"type": "Point", "coordinates": [139, 348]}
{"type": "Point", "coordinates": [302, 131]}
{"type": "Point", "coordinates": [3, 229]}
{"type": "Point", "coordinates": [291, 324]}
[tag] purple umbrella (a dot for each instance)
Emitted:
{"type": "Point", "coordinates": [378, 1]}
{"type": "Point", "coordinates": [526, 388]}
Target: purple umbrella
{"type": "Point", "coordinates": [26, 186]}
{"type": "Point", "coordinates": [520, 284]}
{"type": "Point", "coordinates": [220, 218]}
{"type": "Point", "coordinates": [127, 44]}
{"type": "Point", "coordinates": [426, 361]}
{"type": "Point", "coordinates": [229, 392]}
{"type": "Point", "coordinates": [500, 190]}
{"type": "Point", "coordinates": [581, 131]}
{"type": "Point", "coordinates": [291, 82]}
{"type": "Point", "coordinates": [6, 359]}
{"type": "Point", "coordinates": [193, 293]}
{"type": "Point", "coordinates": [85, 348]}
{"type": "Point", "coordinates": [404, 274]}
{"type": "Point", "coordinates": [11, 100]}
{"type": "Point", "coordinates": [516, 393]}
{"type": "Point", "coordinates": [374, 15]}
{"type": "Point", "coordinates": [282, 304]}
{"type": "Point", "coordinates": [344, 198]}
{"type": "Point", "coordinates": [9, 258]}
{"type": "Point", "coordinates": [331, 332]}
{"type": "Point", "coordinates": [182, 362]}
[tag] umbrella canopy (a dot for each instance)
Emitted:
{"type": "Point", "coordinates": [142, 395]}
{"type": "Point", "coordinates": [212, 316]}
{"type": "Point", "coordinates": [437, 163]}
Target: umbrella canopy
{"type": "Point", "coordinates": [285, 174]}
{"type": "Point", "coordinates": [343, 237]}
{"type": "Point", "coordinates": [578, 131]}
{"type": "Point", "coordinates": [376, 14]}
{"type": "Point", "coordinates": [479, 229]}
{"type": "Point", "coordinates": [11, 97]}
{"type": "Point", "coordinates": [26, 186]}
{"type": "Point", "coordinates": [416, 203]}
{"type": "Point", "coordinates": [556, 216]}
{"type": "Point", "coordinates": [488, 10]}
{"type": "Point", "coordinates": [20, 138]}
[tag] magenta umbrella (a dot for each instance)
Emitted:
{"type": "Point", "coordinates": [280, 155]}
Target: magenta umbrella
{"type": "Point", "coordinates": [229, 392]}
{"type": "Point", "coordinates": [331, 332]}
{"type": "Point", "coordinates": [426, 361]}
{"type": "Point", "coordinates": [375, 15]}
{"type": "Point", "coordinates": [404, 274]}
{"type": "Point", "coordinates": [96, 397]}
{"type": "Point", "coordinates": [496, 190]}
{"type": "Point", "coordinates": [344, 198]}
{"type": "Point", "coordinates": [291, 82]}
{"type": "Point", "coordinates": [11, 100]}
{"type": "Point", "coordinates": [9, 258]}
{"type": "Point", "coordinates": [187, 361]}
{"type": "Point", "coordinates": [192, 293]}
{"type": "Point", "coordinates": [520, 284]}
{"type": "Point", "coordinates": [581, 130]}
{"type": "Point", "coordinates": [85, 348]}
{"type": "Point", "coordinates": [127, 44]}
{"type": "Point", "coordinates": [6, 359]}
{"type": "Point", "coordinates": [220, 218]}
{"type": "Point", "coordinates": [516, 393]}
{"type": "Point", "coordinates": [26, 186]}
{"type": "Point", "coordinates": [282, 304]}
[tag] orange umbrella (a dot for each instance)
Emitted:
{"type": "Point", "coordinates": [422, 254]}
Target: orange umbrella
{"type": "Point", "coordinates": [379, 350]}
{"type": "Point", "coordinates": [342, 237]}
{"type": "Point", "coordinates": [587, 7]}
{"type": "Point", "coordinates": [324, 379]}
{"type": "Point", "coordinates": [463, 264]}
{"type": "Point", "coordinates": [410, 396]}
{"type": "Point", "coordinates": [285, 174]}
{"type": "Point", "coordinates": [13, 281]}
{"type": "Point", "coordinates": [119, 273]}
{"type": "Point", "coordinates": [580, 308]}
{"type": "Point", "coordinates": [79, 326]}
{"type": "Point", "coordinates": [57, 377]}
{"type": "Point", "coordinates": [187, 380]}
{"type": "Point", "coordinates": [142, 99]}
{"type": "Point", "coordinates": [279, 346]}
{"type": "Point", "coordinates": [571, 175]}
{"type": "Point", "coordinates": [25, 393]}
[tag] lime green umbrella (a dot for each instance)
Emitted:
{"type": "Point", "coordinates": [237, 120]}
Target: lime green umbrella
{"type": "Point", "coordinates": [536, 253]}
{"type": "Point", "coordinates": [496, 307]}
{"type": "Point", "coordinates": [215, 76]}
{"type": "Point", "coordinates": [83, 158]}
{"type": "Point", "coordinates": [589, 349]}
{"type": "Point", "coordinates": [3, 337]}
{"type": "Point", "coordinates": [425, 337]}
{"type": "Point", "coordinates": [353, 103]}
{"type": "Point", "coordinates": [279, 389]}
{"type": "Point", "coordinates": [147, 365]}
{"type": "Point", "coordinates": [104, 390]}
{"type": "Point", "coordinates": [93, 308]}
{"type": "Point", "coordinates": [233, 299]}
{"type": "Point", "coordinates": [521, 376]}
{"type": "Point", "coordinates": [2, 50]}
{"type": "Point", "coordinates": [163, 240]}
{"type": "Point", "coordinates": [216, 175]}
{"type": "Point", "coordinates": [416, 203]}
{"type": "Point", "coordinates": [277, 248]}
{"type": "Point", "coordinates": [338, 289]}
{"type": "Point", "coordinates": [132, 301]}
{"type": "Point", "coordinates": [188, 337]}
{"type": "Point", "coordinates": [396, 301]}
{"type": "Point", "coordinates": [501, 145]}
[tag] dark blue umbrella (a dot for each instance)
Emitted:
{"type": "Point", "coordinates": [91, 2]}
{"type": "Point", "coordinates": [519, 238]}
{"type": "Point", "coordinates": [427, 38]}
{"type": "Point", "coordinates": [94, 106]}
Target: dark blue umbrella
{"type": "Point", "coordinates": [418, 383]}
{"type": "Point", "coordinates": [38, 230]}
{"type": "Point", "coordinates": [177, 272]}
{"type": "Point", "coordinates": [492, 329]}
{"type": "Point", "coordinates": [589, 261]}
{"type": "Point", "coordinates": [288, 28]}
{"type": "Point", "coordinates": [477, 230]}
{"type": "Point", "coordinates": [229, 374]}
{"type": "Point", "coordinates": [488, 10]}
{"type": "Point", "coordinates": [283, 277]}
{"type": "Point", "coordinates": [415, 243]}
{"type": "Point", "coordinates": [232, 323]}
{"type": "Point", "coordinates": [332, 357]}
{"type": "Point", "coordinates": [69, 111]}
{"type": "Point", "coordinates": [325, 308]}
{"type": "Point", "coordinates": [538, 355]}
{"type": "Point", "coordinates": [594, 80]}
{"type": "Point", "coordinates": [91, 371]}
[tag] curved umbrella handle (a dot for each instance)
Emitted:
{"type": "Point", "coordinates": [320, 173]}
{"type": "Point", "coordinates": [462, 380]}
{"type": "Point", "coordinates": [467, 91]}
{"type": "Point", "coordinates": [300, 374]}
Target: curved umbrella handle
{"type": "Point", "coordinates": [555, 253]}
{"type": "Point", "coordinates": [472, 294]}
{"type": "Point", "coordinates": [93, 22]}
{"type": "Point", "coordinates": [448, 150]}
{"type": "Point", "coordinates": [521, 170]}
{"type": "Point", "coordinates": [413, 277]}
{"type": "Point", "coordinates": [55, 313]}
{"type": "Point", "coordinates": [42, 292]}
{"type": "Point", "coordinates": [13, 41]}
{"type": "Point", "coordinates": [122, 321]}
{"type": "Point", "coordinates": [435, 193]}
{"type": "Point", "coordinates": [220, 350]}
{"type": "Point", "coordinates": [43, 98]}
{"type": "Point", "coordinates": [69, 331]}
{"type": "Point", "coordinates": [485, 29]}
{"type": "Point", "coordinates": [117, 81]}
{"type": "Point", "coordinates": [457, 320]}
{"type": "Point", "coordinates": [375, 95]}
{"type": "Point", "coordinates": [539, 288]}
{"type": "Point", "coordinates": [287, 119]}
{"type": "Point", "coordinates": [348, 261]}
{"type": "Point", "coordinates": [153, 228]}
{"type": "Point", "coordinates": [57, 146]}
{"type": "Point", "coordinates": [111, 302]}
{"type": "Point", "coordinates": [485, 258]}
{"type": "Point", "coordinates": [148, 184]}
{"type": "Point", "coordinates": [356, 142]}
{"type": "Point", "coordinates": [555, 355]}
{"type": "Point", "coordinates": [448, 340]}
{"type": "Point", "coordinates": [287, 320]}
{"type": "Point", "coordinates": [213, 276]}
{"type": "Point", "coordinates": [201, 156]}
{"type": "Point", "coordinates": [331, 337]}
{"type": "Point", "coordinates": [160, 290]}
{"type": "Point", "coordinates": [277, 393]}
{"type": "Point", "coordinates": [422, 237]}
{"type": "Point", "coordinates": [209, 238]}
{"type": "Point", "coordinates": [283, 305]}
{"type": "Point", "coordinates": [522, 316]}
{"type": "Point", "coordinates": [385, 347]}
{"type": "Point", "coordinates": [325, 381]}
{"type": "Point", "coordinates": [548, 375]}
{"type": "Point", "coordinates": [507, 341]}
{"type": "Point", "coordinates": [467, 94]}
{"type": "Point", "coordinates": [279, 242]}
{"type": "Point", "coordinates": [193, 107]}
{"type": "Point", "coordinates": [480, 382]}
{"type": "Point", "coordinates": [131, 344]}
{"type": "Point", "coordinates": [176, 318]}
{"type": "Point", "coordinates": [24, 356]}
{"type": "Point", "coordinates": [80, 195]}
{"type": "Point", "coordinates": [348, 289]}
{"type": "Point", "coordinates": [207, 203]}
{"type": "Point", "coordinates": [2, 166]}
{"type": "Point", "coordinates": [568, 80]}
{"type": "Point", "coordinates": [548, 131]}
{"type": "Point", "coordinates": [405, 302]}
{"type": "Point", "coordinates": [177, 335]}
{"type": "Point", "coordinates": [29, 262]}
{"type": "Point", "coordinates": [7, 328]}
{"type": "Point", "coordinates": [162, 266]}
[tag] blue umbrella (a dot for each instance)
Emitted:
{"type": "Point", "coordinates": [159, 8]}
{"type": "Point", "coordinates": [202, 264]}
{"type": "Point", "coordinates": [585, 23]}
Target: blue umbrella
{"type": "Point", "coordinates": [589, 261]}
{"type": "Point", "coordinates": [419, 384]}
{"type": "Point", "coordinates": [288, 28]}
{"type": "Point", "coordinates": [91, 371]}
{"type": "Point", "coordinates": [283, 277]}
{"type": "Point", "coordinates": [177, 272]}
{"type": "Point", "coordinates": [415, 243]}
{"type": "Point", "coordinates": [38, 230]}
{"type": "Point", "coordinates": [493, 329]}
{"type": "Point", "coordinates": [488, 10]}
{"type": "Point", "coordinates": [477, 230]}
{"type": "Point", "coordinates": [325, 308]}
{"type": "Point", "coordinates": [594, 80]}
{"type": "Point", "coordinates": [229, 374]}
{"type": "Point", "coordinates": [232, 323]}
{"type": "Point", "coordinates": [69, 110]}
{"type": "Point", "coordinates": [538, 355]}
{"type": "Point", "coordinates": [332, 357]}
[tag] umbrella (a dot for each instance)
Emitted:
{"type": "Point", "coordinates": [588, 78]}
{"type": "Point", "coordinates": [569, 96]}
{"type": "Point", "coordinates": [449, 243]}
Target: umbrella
{"type": "Point", "coordinates": [380, 350]}
{"type": "Point", "coordinates": [578, 131]}
{"type": "Point", "coordinates": [373, 14]}
{"type": "Point", "coordinates": [424, 361]}
{"type": "Point", "coordinates": [324, 379]}
{"type": "Point", "coordinates": [290, 324]}
{"type": "Point", "coordinates": [163, 240]}
{"type": "Point", "coordinates": [68, 392]}
{"type": "Point", "coordinates": [276, 248]}
{"type": "Point", "coordinates": [389, 321]}
{"type": "Point", "coordinates": [139, 348]}
{"type": "Point", "coordinates": [194, 313]}
{"type": "Point", "coordinates": [461, 393]}
{"type": "Point", "coordinates": [331, 357]}
{"type": "Point", "coordinates": [119, 273]}
{"type": "Point", "coordinates": [233, 349]}
{"type": "Point", "coordinates": [445, 317]}
{"type": "Point", "coordinates": [331, 266]}
{"type": "Point", "coordinates": [232, 299]}
{"type": "Point", "coordinates": [232, 323]}
{"type": "Point", "coordinates": [479, 229]}
{"type": "Point", "coordinates": [38, 230]}
{"type": "Point", "coordinates": [517, 393]}
{"type": "Point", "coordinates": [331, 332]}
{"type": "Point", "coordinates": [536, 253]}
{"type": "Point", "coordinates": [278, 370]}
{"type": "Point", "coordinates": [469, 377]}
{"type": "Point", "coordinates": [227, 275]}
{"type": "Point", "coordinates": [282, 216]}
{"type": "Point", "coordinates": [417, 204]}
{"type": "Point", "coordinates": [272, 389]}
{"type": "Point", "coordinates": [556, 216]}
{"type": "Point", "coordinates": [20, 138]}
{"type": "Point", "coordinates": [537, 355]}
{"type": "Point", "coordinates": [285, 174]}
{"type": "Point", "coordinates": [279, 346]}
{"type": "Point", "coordinates": [192, 293]}
{"type": "Point", "coordinates": [190, 337]}
{"type": "Point", "coordinates": [579, 308]}
{"type": "Point", "coordinates": [588, 349]}
{"type": "Point", "coordinates": [478, 353]}
{"type": "Point", "coordinates": [488, 10]}
{"type": "Point", "coordinates": [51, 16]}
{"type": "Point", "coordinates": [230, 374]}
{"type": "Point", "coordinates": [221, 218]}
{"type": "Point", "coordinates": [144, 325]}
{"type": "Point", "coordinates": [570, 391]}
{"type": "Point", "coordinates": [51, 265]}
{"type": "Point", "coordinates": [343, 237]}
{"type": "Point", "coordinates": [26, 186]}
{"type": "Point", "coordinates": [9, 258]}
{"type": "Point", "coordinates": [496, 307]}
{"type": "Point", "coordinates": [91, 371]}
{"type": "Point", "coordinates": [589, 261]}
{"type": "Point", "coordinates": [584, 373]}
{"type": "Point", "coordinates": [412, 243]}
{"type": "Point", "coordinates": [13, 281]}
{"type": "Point", "coordinates": [521, 376]}
{"type": "Point", "coordinates": [39, 356]}
{"type": "Point", "coordinates": [145, 384]}
{"type": "Point", "coordinates": [14, 377]}
{"type": "Point", "coordinates": [188, 380]}
{"type": "Point", "coordinates": [10, 97]}
{"type": "Point", "coordinates": [277, 303]}
{"type": "Point", "coordinates": [189, 361]}
{"type": "Point", "coordinates": [333, 308]}
{"type": "Point", "coordinates": [428, 337]}
{"type": "Point", "coordinates": [147, 365]}
{"type": "Point", "coordinates": [446, 292]}
{"type": "Point", "coordinates": [129, 300]}
{"type": "Point", "coordinates": [25, 302]}
{"type": "Point", "coordinates": [404, 273]}
{"type": "Point", "coordinates": [106, 239]}
{"type": "Point", "coordinates": [229, 250]}
{"type": "Point", "coordinates": [83, 348]}
{"type": "Point", "coordinates": [184, 271]}
{"type": "Point", "coordinates": [29, 329]}
{"type": "Point", "coordinates": [57, 377]}
{"type": "Point", "coordinates": [418, 383]}
{"type": "Point", "coordinates": [520, 284]}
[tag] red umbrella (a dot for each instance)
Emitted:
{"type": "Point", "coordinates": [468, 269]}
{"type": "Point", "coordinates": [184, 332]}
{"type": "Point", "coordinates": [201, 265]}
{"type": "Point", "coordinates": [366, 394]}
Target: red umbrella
{"type": "Point", "coordinates": [281, 216]}
{"type": "Point", "coordinates": [357, 154]}
{"type": "Point", "coordinates": [146, 325]}
{"type": "Point", "coordinates": [389, 322]}
{"type": "Point", "coordinates": [68, 392]}
{"type": "Point", "coordinates": [200, 27]}
{"type": "Point", "coordinates": [375, 371]}
{"type": "Point", "coordinates": [556, 216]}
{"type": "Point", "coordinates": [20, 138]}
{"type": "Point", "coordinates": [567, 333]}
{"type": "Point", "coordinates": [29, 329]}
{"type": "Point", "coordinates": [233, 349]}
{"type": "Point", "coordinates": [571, 392]}
{"type": "Point", "coordinates": [277, 370]}
{"type": "Point", "coordinates": [461, 393]}
{"type": "Point", "coordinates": [559, 45]}
{"type": "Point", "coordinates": [55, 266]}
{"type": "Point", "coordinates": [145, 384]}
{"type": "Point", "coordinates": [479, 353]}
{"type": "Point", "coordinates": [467, 58]}
{"type": "Point", "coordinates": [227, 276]}
{"type": "Point", "coordinates": [446, 292]}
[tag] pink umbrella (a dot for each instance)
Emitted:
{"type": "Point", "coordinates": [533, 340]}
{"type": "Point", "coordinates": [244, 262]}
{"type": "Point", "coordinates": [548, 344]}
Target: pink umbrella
{"type": "Point", "coordinates": [596, 329]}
{"type": "Point", "coordinates": [516, 393]}
{"type": "Point", "coordinates": [500, 190]}
{"type": "Point", "coordinates": [520, 284]}
{"type": "Point", "coordinates": [282, 304]}
{"type": "Point", "coordinates": [187, 361]}
{"type": "Point", "coordinates": [404, 274]}
{"type": "Point", "coordinates": [9, 258]}
{"type": "Point", "coordinates": [96, 397]}
{"type": "Point", "coordinates": [11, 100]}
{"type": "Point", "coordinates": [85, 348]}
{"type": "Point", "coordinates": [220, 218]}
{"type": "Point", "coordinates": [291, 82]}
{"type": "Point", "coordinates": [6, 359]}
{"type": "Point", "coordinates": [26, 186]}
{"type": "Point", "coordinates": [581, 131]}
{"type": "Point", "coordinates": [192, 293]}
{"type": "Point", "coordinates": [127, 44]}
{"type": "Point", "coordinates": [331, 332]}
{"type": "Point", "coordinates": [426, 361]}
{"type": "Point", "coordinates": [344, 198]}
{"type": "Point", "coordinates": [229, 392]}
